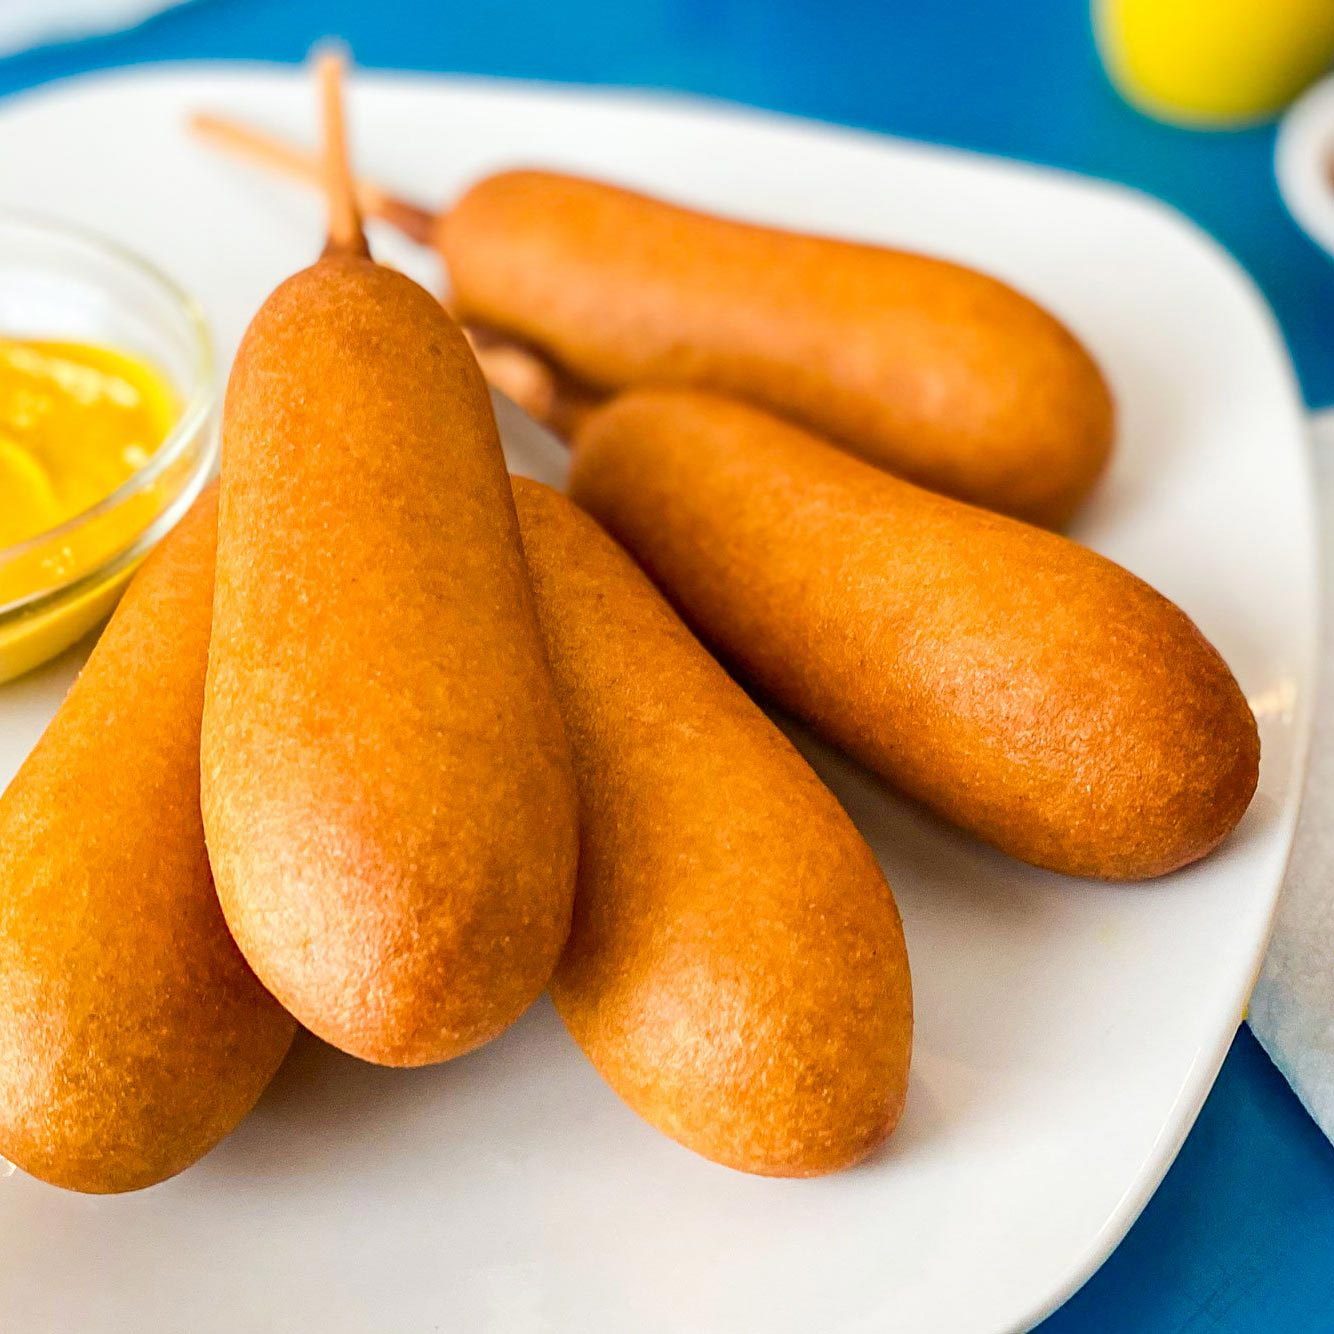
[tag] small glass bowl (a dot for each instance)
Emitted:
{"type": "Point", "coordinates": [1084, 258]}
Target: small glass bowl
{"type": "Point", "coordinates": [58, 282]}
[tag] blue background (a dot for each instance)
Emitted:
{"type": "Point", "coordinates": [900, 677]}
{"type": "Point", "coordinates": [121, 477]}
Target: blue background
{"type": "Point", "coordinates": [1240, 1237]}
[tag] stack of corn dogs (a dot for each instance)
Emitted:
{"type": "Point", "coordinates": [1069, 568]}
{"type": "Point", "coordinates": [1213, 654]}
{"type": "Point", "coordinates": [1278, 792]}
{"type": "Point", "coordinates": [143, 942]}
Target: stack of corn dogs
{"type": "Point", "coordinates": [385, 743]}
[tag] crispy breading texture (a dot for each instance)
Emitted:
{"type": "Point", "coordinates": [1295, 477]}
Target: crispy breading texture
{"type": "Point", "coordinates": [932, 370]}
{"type": "Point", "coordinates": [1020, 685]}
{"type": "Point", "coordinates": [133, 1036]}
{"type": "Point", "coordinates": [387, 790]}
{"type": "Point", "coordinates": [736, 970]}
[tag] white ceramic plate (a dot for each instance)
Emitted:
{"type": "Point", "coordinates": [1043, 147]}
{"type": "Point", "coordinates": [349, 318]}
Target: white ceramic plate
{"type": "Point", "coordinates": [1067, 1032]}
{"type": "Point", "coordinates": [1304, 162]}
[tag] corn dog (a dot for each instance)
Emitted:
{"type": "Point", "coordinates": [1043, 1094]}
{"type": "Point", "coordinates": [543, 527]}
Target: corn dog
{"type": "Point", "coordinates": [387, 791]}
{"type": "Point", "coordinates": [1021, 686]}
{"type": "Point", "coordinates": [929, 369]}
{"type": "Point", "coordinates": [736, 970]}
{"type": "Point", "coordinates": [133, 1036]}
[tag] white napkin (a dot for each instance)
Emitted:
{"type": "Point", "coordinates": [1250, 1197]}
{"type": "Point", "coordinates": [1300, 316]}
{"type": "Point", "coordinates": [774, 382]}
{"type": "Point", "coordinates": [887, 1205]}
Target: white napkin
{"type": "Point", "coordinates": [25, 23]}
{"type": "Point", "coordinates": [1292, 1010]}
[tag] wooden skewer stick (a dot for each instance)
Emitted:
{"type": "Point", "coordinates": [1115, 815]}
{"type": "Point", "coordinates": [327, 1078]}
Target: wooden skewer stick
{"type": "Point", "coordinates": [518, 372]}
{"type": "Point", "coordinates": [268, 150]}
{"type": "Point", "coordinates": [346, 236]}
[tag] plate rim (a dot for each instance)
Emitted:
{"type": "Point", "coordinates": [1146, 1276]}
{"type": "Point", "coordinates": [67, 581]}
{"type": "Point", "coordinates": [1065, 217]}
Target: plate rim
{"type": "Point", "coordinates": [1206, 1063]}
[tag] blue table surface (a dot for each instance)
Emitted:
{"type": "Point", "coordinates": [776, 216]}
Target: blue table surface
{"type": "Point", "coordinates": [1240, 1237]}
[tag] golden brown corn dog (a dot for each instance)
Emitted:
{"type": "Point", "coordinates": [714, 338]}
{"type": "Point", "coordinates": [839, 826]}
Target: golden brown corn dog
{"type": "Point", "coordinates": [132, 1035]}
{"type": "Point", "coordinates": [932, 370]}
{"type": "Point", "coordinates": [387, 791]}
{"type": "Point", "coordinates": [1018, 684]}
{"type": "Point", "coordinates": [736, 969]}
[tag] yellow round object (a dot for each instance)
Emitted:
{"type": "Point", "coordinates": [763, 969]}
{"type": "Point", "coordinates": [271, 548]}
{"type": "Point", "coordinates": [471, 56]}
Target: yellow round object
{"type": "Point", "coordinates": [1214, 62]}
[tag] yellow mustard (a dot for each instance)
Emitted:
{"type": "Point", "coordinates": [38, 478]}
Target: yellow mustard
{"type": "Point", "coordinates": [76, 422]}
